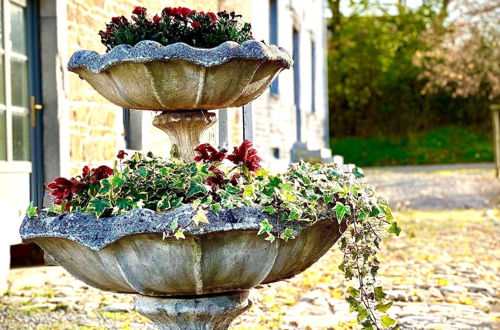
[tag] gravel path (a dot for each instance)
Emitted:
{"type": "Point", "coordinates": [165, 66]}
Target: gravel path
{"type": "Point", "coordinates": [443, 272]}
{"type": "Point", "coordinates": [437, 187]}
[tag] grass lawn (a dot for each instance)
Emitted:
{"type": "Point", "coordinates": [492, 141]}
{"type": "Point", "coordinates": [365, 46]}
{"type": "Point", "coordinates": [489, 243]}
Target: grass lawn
{"type": "Point", "coordinates": [446, 145]}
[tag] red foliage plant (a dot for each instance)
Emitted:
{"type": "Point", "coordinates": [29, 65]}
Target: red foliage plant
{"type": "Point", "coordinates": [246, 155]}
{"type": "Point", "coordinates": [62, 190]}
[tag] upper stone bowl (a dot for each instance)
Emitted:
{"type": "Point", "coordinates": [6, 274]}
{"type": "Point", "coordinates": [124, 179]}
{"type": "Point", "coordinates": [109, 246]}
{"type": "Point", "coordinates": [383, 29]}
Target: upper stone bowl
{"type": "Point", "coordinates": [128, 253]}
{"type": "Point", "coordinates": [149, 76]}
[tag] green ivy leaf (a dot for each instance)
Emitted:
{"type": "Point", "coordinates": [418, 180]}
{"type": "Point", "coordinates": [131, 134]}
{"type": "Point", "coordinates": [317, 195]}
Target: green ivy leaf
{"type": "Point", "coordinates": [265, 227]}
{"type": "Point", "coordinates": [341, 210]}
{"type": "Point", "coordinates": [362, 313]}
{"type": "Point", "coordinates": [270, 210]}
{"type": "Point", "coordinates": [379, 293]}
{"type": "Point", "coordinates": [32, 211]}
{"type": "Point", "coordinates": [381, 307]}
{"type": "Point", "coordinates": [174, 225]}
{"type": "Point", "coordinates": [176, 202]}
{"type": "Point", "coordinates": [105, 187]}
{"type": "Point", "coordinates": [117, 181]}
{"type": "Point", "coordinates": [394, 229]}
{"type": "Point", "coordinates": [164, 203]}
{"type": "Point", "coordinates": [100, 205]}
{"type": "Point", "coordinates": [179, 234]}
{"type": "Point", "coordinates": [387, 321]}
{"type": "Point", "coordinates": [200, 216]}
{"type": "Point", "coordinates": [270, 238]}
{"type": "Point", "coordinates": [215, 208]}
{"type": "Point", "coordinates": [287, 234]}
{"type": "Point", "coordinates": [195, 188]}
{"type": "Point", "coordinates": [124, 203]}
{"type": "Point", "coordinates": [142, 172]}
{"type": "Point", "coordinates": [352, 292]}
{"type": "Point", "coordinates": [357, 173]}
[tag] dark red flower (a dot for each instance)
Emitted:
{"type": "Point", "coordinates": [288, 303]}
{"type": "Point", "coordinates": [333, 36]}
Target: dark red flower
{"type": "Point", "coordinates": [121, 154]}
{"type": "Point", "coordinates": [234, 179]}
{"type": "Point", "coordinates": [212, 16]}
{"type": "Point", "coordinates": [217, 180]}
{"type": "Point", "coordinates": [102, 172]}
{"type": "Point", "coordinates": [185, 11]}
{"type": "Point", "coordinates": [85, 171]}
{"type": "Point", "coordinates": [209, 154]}
{"type": "Point", "coordinates": [116, 19]}
{"type": "Point", "coordinates": [245, 154]}
{"type": "Point", "coordinates": [139, 11]}
{"type": "Point", "coordinates": [156, 19]}
{"type": "Point", "coordinates": [195, 24]}
{"type": "Point", "coordinates": [63, 189]}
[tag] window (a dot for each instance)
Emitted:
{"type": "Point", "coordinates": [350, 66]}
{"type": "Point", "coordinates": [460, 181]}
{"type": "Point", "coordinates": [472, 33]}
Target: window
{"type": "Point", "coordinates": [313, 76]}
{"type": "Point", "coordinates": [14, 88]}
{"type": "Point", "coordinates": [296, 83]}
{"type": "Point", "coordinates": [273, 36]}
{"type": "Point", "coordinates": [132, 124]}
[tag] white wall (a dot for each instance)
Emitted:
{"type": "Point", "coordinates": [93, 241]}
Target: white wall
{"type": "Point", "coordinates": [275, 118]}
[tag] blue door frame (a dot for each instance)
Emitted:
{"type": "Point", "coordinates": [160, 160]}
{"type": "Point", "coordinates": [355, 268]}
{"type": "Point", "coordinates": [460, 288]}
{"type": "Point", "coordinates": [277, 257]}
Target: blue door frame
{"type": "Point", "coordinates": [35, 88]}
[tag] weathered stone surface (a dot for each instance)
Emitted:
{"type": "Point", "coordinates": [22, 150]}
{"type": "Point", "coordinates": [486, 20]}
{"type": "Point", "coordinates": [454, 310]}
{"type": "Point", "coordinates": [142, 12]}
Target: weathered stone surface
{"type": "Point", "coordinates": [149, 76]}
{"type": "Point", "coordinates": [184, 128]}
{"type": "Point", "coordinates": [128, 253]}
{"type": "Point", "coordinates": [196, 313]}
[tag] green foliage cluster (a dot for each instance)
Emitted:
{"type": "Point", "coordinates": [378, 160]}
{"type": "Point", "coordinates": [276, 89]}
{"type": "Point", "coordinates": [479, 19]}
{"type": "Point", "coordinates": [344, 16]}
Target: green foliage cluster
{"type": "Point", "coordinates": [447, 145]}
{"type": "Point", "coordinates": [375, 83]}
{"type": "Point", "coordinates": [303, 194]}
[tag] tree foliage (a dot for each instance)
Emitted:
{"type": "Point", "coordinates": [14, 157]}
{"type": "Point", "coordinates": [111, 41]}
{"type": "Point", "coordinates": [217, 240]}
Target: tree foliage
{"type": "Point", "coordinates": [375, 83]}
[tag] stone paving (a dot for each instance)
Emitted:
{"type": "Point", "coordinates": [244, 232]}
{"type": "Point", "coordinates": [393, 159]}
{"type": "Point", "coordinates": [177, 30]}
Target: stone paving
{"type": "Point", "coordinates": [443, 272]}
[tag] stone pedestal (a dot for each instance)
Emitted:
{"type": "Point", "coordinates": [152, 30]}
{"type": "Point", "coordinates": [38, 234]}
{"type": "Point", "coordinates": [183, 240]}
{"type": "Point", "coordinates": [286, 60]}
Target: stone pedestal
{"type": "Point", "coordinates": [185, 129]}
{"type": "Point", "coordinates": [209, 312]}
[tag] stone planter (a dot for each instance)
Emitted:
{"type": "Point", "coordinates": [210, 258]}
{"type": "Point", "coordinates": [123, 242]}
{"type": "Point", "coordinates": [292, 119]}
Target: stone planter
{"type": "Point", "coordinates": [150, 76]}
{"type": "Point", "coordinates": [205, 276]}
{"type": "Point", "coordinates": [128, 253]}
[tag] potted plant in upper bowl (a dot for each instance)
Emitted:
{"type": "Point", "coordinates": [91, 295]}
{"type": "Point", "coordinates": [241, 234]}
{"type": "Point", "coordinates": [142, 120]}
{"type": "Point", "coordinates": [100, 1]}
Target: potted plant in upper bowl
{"type": "Point", "coordinates": [180, 59]}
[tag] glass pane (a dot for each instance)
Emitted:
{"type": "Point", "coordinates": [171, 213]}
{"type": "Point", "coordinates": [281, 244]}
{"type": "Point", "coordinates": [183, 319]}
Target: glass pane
{"type": "Point", "coordinates": [19, 82]}
{"type": "Point", "coordinates": [3, 136]}
{"type": "Point", "coordinates": [18, 28]}
{"type": "Point", "coordinates": [20, 136]}
{"type": "Point", "coordinates": [2, 80]}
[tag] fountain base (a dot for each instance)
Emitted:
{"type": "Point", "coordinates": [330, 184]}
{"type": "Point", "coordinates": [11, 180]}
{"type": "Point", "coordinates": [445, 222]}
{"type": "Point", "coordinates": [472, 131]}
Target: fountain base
{"type": "Point", "coordinates": [211, 312]}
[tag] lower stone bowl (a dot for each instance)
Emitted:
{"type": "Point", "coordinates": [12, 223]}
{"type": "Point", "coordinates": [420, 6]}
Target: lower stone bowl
{"type": "Point", "coordinates": [129, 253]}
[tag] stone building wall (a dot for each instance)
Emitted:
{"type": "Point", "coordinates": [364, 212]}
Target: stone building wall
{"type": "Point", "coordinates": [95, 125]}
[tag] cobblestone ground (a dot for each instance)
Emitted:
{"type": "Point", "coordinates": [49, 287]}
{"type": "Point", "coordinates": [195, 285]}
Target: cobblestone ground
{"type": "Point", "coordinates": [443, 272]}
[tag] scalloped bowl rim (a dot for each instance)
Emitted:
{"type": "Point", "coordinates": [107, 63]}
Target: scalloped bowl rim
{"type": "Point", "coordinates": [149, 51]}
{"type": "Point", "coordinates": [98, 233]}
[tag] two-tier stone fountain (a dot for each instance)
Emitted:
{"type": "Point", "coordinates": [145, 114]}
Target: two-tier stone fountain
{"type": "Point", "coordinates": [200, 282]}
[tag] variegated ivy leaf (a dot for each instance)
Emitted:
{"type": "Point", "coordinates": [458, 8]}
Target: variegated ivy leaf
{"type": "Point", "coordinates": [215, 208]}
{"type": "Point", "coordinates": [270, 238]}
{"type": "Point", "coordinates": [200, 216]}
{"type": "Point", "coordinates": [265, 227]}
{"type": "Point", "coordinates": [31, 211]}
{"type": "Point", "coordinates": [287, 234]}
{"type": "Point", "coordinates": [174, 225]}
{"type": "Point", "coordinates": [179, 234]}
{"type": "Point", "coordinates": [105, 187]}
{"type": "Point", "coordinates": [341, 210]}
